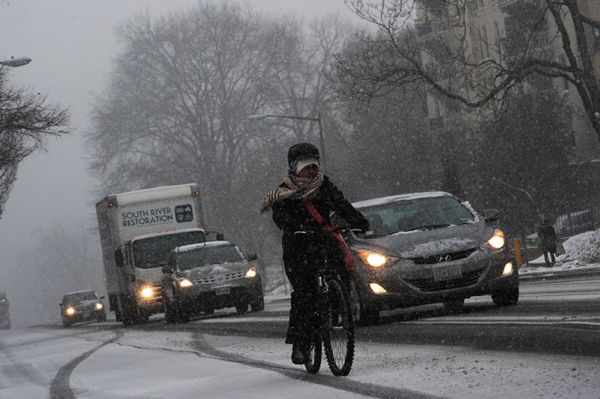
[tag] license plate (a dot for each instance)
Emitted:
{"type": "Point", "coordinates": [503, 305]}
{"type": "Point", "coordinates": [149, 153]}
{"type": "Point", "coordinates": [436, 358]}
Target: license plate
{"type": "Point", "coordinates": [225, 290]}
{"type": "Point", "coordinates": [443, 273]}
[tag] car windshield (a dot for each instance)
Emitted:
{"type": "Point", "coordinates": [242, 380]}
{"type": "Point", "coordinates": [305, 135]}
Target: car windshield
{"type": "Point", "coordinates": [416, 214]}
{"type": "Point", "coordinates": [208, 256]}
{"type": "Point", "coordinates": [80, 296]}
{"type": "Point", "coordinates": [154, 251]}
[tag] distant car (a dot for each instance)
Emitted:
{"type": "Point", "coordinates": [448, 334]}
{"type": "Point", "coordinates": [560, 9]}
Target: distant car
{"type": "Point", "coordinates": [208, 276]}
{"type": "Point", "coordinates": [428, 248]}
{"type": "Point", "coordinates": [4, 312]}
{"type": "Point", "coordinates": [82, 306]}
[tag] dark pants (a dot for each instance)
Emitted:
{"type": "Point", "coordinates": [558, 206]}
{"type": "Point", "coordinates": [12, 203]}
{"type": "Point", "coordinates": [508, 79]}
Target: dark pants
{"type": "Point", "coordinates": [549, 253]}
{"type": "Point", "coordinates": [301, 266]}
{"type": "Point", "coordinates": [303, 318]}
{"type": "Point", "coordinates": [549, 257]}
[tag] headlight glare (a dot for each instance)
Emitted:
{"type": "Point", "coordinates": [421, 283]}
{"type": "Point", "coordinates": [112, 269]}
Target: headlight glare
{"type": "Point", "coordinates": [497, 240]}
{"type": "Point", "coordinates": [375, 259]}
{"type": "Point", "coordinates": [99, 306]}
{"type": "Point", "coordinates": [251, 273]}
{"type": "Point", "coordinates": [70, 311]}
{"type": "Point", "coordinates": [146, 292]}
{"type": "Point", "coordinates": [184, 283]}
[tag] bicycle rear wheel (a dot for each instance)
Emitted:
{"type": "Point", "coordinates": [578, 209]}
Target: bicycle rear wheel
{"type": "Point", "coordinates": [338, 338]}
{"type": "Point", "coordinates": [316, 350]}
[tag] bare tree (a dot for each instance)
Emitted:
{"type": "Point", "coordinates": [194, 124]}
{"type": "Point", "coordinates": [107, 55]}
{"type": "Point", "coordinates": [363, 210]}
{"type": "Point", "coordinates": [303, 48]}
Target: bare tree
{"type": "Point", "coordinates": [26, 121]}
{"type": "Point", "coordinates": [486, 69]}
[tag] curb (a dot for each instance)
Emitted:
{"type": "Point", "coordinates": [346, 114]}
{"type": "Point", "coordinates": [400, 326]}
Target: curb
{"type": "Point", "coordinates": [555, 275]}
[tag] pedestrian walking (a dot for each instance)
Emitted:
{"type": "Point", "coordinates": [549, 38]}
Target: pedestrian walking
{"type": "Point", "coordinates": [547, 237]}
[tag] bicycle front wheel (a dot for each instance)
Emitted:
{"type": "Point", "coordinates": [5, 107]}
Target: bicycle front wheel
{"type": "Point", "coordinates": [338, 338]}
{"type": "Point", "coordinates": [316, 352]}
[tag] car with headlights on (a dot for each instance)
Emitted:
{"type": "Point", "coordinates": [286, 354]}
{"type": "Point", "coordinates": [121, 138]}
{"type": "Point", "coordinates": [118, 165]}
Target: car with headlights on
{"type": "Point", "coordinates": [200, 278]}
{"type": "Point", "coordinates": [427, 248]}
{"type": "Point", "coordinates": [82, 306]}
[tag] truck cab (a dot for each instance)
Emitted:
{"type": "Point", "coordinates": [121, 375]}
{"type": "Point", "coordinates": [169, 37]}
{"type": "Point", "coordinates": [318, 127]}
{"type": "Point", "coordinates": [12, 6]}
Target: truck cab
{"type": "Point", "coordinates": [141, 260]}
{"type": "Point", "coordinates": [138, 229]}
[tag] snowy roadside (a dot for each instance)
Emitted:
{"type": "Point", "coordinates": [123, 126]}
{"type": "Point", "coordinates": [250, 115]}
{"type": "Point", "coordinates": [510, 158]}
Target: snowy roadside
{"type": "Point", "coordinates": [451, 372]}
{"type": "Point", "coordinates": [582, 254]}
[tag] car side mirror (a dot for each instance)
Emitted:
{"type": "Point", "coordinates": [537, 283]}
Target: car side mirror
{"type": "Point", "coordinates": [491, 215]}
{"type": "Point", "coordinates": [252, 257]}
{"type": "Point", "coordinates": [166, 269]}
{"type": "Point", "coordinates": [119, 258]}
{"type": "Point", "coordinates": [102, 297]}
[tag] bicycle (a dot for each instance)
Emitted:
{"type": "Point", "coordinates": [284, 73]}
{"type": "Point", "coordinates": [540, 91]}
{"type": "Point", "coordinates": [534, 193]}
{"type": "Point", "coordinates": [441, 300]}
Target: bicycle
{"type": "Point", "coordinates": [335, 325]}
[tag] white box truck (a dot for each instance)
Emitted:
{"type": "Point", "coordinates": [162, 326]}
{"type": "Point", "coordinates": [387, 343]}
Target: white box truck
{"type": "Point", "coordinates": [138, 230]}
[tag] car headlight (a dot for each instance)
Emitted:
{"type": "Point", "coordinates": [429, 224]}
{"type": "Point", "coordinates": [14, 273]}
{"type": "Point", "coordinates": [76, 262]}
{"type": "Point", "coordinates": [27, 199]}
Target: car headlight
{"type": "Point", "coordinates": [184, 283]}
{"type": "Point", "coordinates": [70, 311]}
{"type": "Point", "coordinates": [251, 273]}
{"type": "Point", "coordinates": [508, 269]}
{"type": "Point", "coordinates": [146, 292]}
{"type": "Point", "coordinates": [376, 259]}
{"type": "Point", "coordinates": [99, 306]}
{"type": "Point", "coordinates": [497, 240]}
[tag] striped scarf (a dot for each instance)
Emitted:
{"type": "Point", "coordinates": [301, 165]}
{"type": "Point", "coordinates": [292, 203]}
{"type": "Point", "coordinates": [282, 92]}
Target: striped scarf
{"type": "Point", "coordinates": [294, 187]}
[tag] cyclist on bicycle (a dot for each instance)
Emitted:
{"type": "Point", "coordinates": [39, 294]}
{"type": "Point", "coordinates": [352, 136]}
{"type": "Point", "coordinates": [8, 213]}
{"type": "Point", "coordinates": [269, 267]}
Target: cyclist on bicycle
{"type": "Point", "coordinates": [305, 186]}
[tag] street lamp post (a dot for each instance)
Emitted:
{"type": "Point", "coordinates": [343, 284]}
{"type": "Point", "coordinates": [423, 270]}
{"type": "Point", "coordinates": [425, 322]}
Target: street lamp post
{"type": "Point", "coordinates": [16, 62]}
{"type": "Point", "coordinates": [304, 118]}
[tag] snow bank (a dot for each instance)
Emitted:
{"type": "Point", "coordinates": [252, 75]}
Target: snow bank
{"type": "Point", "coordinates": [581, 252]}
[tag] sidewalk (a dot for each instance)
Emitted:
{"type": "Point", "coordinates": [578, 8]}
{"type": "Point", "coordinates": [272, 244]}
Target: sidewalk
{"type": "Point", "coordinates": [537, 269]}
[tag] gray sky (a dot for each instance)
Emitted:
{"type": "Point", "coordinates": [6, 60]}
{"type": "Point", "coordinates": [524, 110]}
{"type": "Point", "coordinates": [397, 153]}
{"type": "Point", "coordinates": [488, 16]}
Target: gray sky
{"type": "Point", "coordinates": [72, 43]}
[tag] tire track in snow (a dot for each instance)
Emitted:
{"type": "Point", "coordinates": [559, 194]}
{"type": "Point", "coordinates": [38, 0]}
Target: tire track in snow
{"type": "Point", "coordinates": [20, 369]}
{"type": "Point", "coordinates": [341, 383]}
{"type": "Point", "coordinates": [60, 388]}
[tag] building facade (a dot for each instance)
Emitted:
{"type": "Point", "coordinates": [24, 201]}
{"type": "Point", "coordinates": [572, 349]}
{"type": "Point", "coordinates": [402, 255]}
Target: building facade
{"type": "Point", "coordinates": [481, 33]}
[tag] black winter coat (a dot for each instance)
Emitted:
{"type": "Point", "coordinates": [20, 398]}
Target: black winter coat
{"type": "Point", "coordinates": [290, 215]}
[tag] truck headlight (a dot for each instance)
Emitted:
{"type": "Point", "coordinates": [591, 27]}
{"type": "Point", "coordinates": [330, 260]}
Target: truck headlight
{"type": "Point", "coordinates": [184, 283]}
{"type": "Point", "coordinates": [497, 240]}
{"type": "Point", "coordinates": [70, 311]}
{"type": "Point", "coordinates": [146, 292]}
{"type": "Point", "coordinates": [375, 259]}
{"type": "Point", "coordinates": [251, 273]}
{"type": "Point", "coordinates": [99, 306]}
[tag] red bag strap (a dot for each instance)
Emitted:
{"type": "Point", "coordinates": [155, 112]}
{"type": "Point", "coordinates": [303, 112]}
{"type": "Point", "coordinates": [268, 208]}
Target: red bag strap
{"type": "Point", "coordinates": [348, 258]}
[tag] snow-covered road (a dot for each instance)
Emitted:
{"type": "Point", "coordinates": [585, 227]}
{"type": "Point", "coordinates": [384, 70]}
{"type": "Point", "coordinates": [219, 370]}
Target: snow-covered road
{"type": "Point", "coordinates": [157, 361]}
{"type": "Point", "coordinates": [91, 363]}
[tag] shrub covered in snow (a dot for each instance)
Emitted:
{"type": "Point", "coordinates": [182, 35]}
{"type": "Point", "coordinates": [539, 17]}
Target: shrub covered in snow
{"type": "Point", "coordinates": [584, 247]}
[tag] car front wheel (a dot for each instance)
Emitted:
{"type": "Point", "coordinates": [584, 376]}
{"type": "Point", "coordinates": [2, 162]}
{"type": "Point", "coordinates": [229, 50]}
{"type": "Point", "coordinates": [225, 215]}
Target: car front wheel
{"type": "Point", "coordinates": [454, 305]}
{"type": "Point", "coordinates": [258, 304]}
{"type": "Point", "coordinates": [507, 297]}
{"type": "Point", "coordinates": [362, 314]}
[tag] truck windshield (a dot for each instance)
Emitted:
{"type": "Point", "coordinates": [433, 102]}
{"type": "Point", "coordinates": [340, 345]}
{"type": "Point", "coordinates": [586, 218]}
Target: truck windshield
{"type": "Point", "coordinates": [154, 251]}
{"type": "Point", "coordinates": [208, 256]}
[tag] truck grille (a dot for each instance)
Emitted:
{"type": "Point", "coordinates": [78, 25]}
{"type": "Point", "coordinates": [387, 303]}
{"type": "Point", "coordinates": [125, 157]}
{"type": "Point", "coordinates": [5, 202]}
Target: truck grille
{"type": "Point", "coordinates": [221, 278]}
{"type": "Point", "coordinates": [429, 285]}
